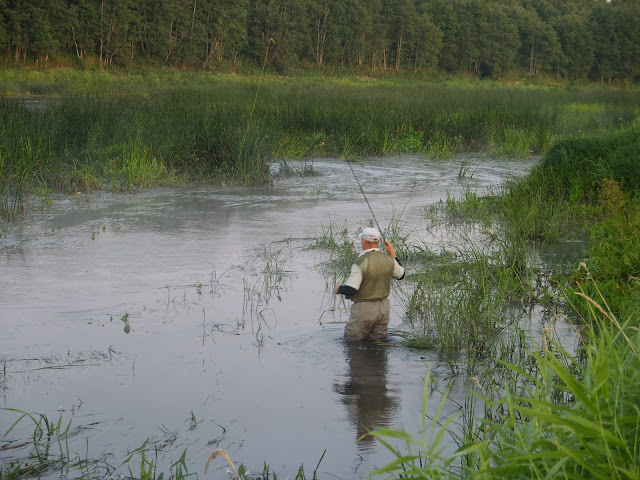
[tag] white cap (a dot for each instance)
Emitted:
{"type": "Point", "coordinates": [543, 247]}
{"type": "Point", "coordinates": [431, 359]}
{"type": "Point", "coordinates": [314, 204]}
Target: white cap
{"type": "Point", "coordinates": [371, 234]}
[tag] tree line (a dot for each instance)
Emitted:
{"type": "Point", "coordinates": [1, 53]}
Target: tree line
{"type": "Point", "coordinates": [574, 39]}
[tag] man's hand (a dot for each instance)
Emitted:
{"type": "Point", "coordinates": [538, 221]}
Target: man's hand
{"type": "Point", "coordinates": [389, 248]}
{"type": "Point", "coordinates": [335, 290]}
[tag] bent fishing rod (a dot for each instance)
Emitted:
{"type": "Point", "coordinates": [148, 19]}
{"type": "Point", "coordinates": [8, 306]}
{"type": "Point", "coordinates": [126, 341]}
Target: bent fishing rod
{"type": "Point", "coordinates": [365, 197]}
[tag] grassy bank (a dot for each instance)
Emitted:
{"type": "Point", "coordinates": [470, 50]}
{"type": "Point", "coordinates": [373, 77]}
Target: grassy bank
{"type": "Point", "coordinates": [549, 413]}
{"type": "Point", "coordinates": [77, 130]}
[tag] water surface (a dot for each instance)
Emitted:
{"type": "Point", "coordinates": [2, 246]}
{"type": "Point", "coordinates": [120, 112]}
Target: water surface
{"type": "Point", "coordinates": [235, 336]}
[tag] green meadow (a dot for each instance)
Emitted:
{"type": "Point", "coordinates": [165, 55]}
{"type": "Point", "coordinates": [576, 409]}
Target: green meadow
{"type": "Point", "coordinates": [68, 130]}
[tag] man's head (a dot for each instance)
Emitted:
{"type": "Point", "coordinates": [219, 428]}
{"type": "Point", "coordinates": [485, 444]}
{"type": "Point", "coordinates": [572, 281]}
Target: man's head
{"type": "Point", "coordinates": [370, 237]}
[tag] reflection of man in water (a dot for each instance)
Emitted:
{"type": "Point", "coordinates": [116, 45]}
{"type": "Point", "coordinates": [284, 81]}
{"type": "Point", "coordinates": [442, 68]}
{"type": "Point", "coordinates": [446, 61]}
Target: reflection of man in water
{"type": "Point", "coordinates": [369, 285]}
{"type": "Point", "coordinates": [365, 392]}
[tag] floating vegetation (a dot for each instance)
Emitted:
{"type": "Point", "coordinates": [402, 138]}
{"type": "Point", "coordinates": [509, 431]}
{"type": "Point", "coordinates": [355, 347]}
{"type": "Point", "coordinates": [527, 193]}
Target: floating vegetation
{"type": "Point", "coordinates": [51, 453]}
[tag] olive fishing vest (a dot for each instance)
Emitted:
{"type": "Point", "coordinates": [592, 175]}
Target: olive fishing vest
{"type": "Point", "coordinates": [377, 271]}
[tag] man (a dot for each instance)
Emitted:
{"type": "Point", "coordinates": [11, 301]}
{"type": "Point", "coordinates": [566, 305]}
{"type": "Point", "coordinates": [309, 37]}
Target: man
{"type": "Point", "coordinates": [369, 285]}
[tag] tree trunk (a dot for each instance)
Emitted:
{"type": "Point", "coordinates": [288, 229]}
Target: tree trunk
{"type": "Point", "coordinates": [169, 49]}
{"type": "Point", "coordinates": [75, 42]}
{"type": "Point", "coordinates": [209, 55]}
{"type": "Point", "coordinates": [193, 22]}
{"type": "Point", "coordinates": [193, 18]}
{"type": "Point", "coordinates": [533, 42]}
{"type": "Point", "coordinates": [321, 34]}
{"type": "Point", "coordinates": [101, 31]}
{"type": "Point", "coordinates": [399, 49]}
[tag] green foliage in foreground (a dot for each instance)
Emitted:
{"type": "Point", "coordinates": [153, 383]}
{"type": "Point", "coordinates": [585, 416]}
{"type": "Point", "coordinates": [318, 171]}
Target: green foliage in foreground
{"type": "Point", "coordinates": [559, 417]}
{"type": "Point", "coordinates": [574, 418]}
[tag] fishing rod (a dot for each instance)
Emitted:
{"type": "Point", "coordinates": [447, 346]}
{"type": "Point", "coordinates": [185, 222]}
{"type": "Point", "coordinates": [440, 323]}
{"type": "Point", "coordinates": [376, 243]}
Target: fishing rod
{"type": "Point", "coordinates": [365, 197]}
{"type": "Point", "coordinates": [255, 99]}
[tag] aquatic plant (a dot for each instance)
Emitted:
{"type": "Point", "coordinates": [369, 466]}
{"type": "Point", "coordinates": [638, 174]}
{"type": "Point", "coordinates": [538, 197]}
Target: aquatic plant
{"type": "Point", "coordinates": [423, 456]}
{"type": "Point", "coordinates": [51, 454]}
{"type": "Point", "coordinates": [573, 416]}
{"type": "Point", "coordinates": [468, 301]}
{"type": "Point", "coordinates": [341, 243]}
{"type": "Point", "coordinates": [136, 167]}
{"type": "Point", "coordinates": [50, 447]}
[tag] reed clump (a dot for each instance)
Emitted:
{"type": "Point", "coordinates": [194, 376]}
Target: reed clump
{"type": "Point", "coordinates": [124, 142]}
{"type": "Point", "coordinates": [464, 302]}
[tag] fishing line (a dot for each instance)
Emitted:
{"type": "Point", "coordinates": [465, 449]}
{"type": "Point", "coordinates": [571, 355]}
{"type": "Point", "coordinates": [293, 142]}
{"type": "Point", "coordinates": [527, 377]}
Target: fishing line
{"type": "Point", "coordinates": [365, 197]}
{"type": "Point", "coordinates": [255, 99]}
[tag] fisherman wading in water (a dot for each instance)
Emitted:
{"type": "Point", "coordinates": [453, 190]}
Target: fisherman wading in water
{"type": "Point", "coordinates": [368, 286]}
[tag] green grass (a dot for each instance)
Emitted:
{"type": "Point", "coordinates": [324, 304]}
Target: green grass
{"type": "Point", "coordinates": [548, 413]}
{"type": "Point", "coordinates": [558, 416]}
{"type": "Point", "coordinates": [94, 129]}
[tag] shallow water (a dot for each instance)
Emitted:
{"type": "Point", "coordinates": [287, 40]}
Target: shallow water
{"type": "Point", "coordinates": [235, 337]}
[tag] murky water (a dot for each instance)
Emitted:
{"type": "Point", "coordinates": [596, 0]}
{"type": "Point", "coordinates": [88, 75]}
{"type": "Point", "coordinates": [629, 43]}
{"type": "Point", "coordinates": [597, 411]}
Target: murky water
{"type": "Point", "coordinates": [235, 338]}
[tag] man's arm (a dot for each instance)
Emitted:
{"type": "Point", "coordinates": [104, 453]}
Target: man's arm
{"type": "Point", "coordinates": [352, 284]}
{"type": "Point", "coordinates": [398, 269]}
{"type": "Point", "coordinates": [345, 290]}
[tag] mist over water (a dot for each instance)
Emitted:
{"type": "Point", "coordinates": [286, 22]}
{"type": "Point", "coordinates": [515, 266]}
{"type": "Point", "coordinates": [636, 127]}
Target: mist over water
{"type": "Point", "coordinates": [235, 337]}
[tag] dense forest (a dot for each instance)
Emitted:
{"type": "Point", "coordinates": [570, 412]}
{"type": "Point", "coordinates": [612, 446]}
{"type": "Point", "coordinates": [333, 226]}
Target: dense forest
{"type": "Point", "coordinates": [574, 39]}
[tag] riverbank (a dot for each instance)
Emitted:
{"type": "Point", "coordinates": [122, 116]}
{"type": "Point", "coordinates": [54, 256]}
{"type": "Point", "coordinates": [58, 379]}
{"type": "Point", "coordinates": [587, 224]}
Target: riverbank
{"type": "Point", "coordinates": [553, 411]}
{"type": "Point", "coordinates": [76, 131]}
